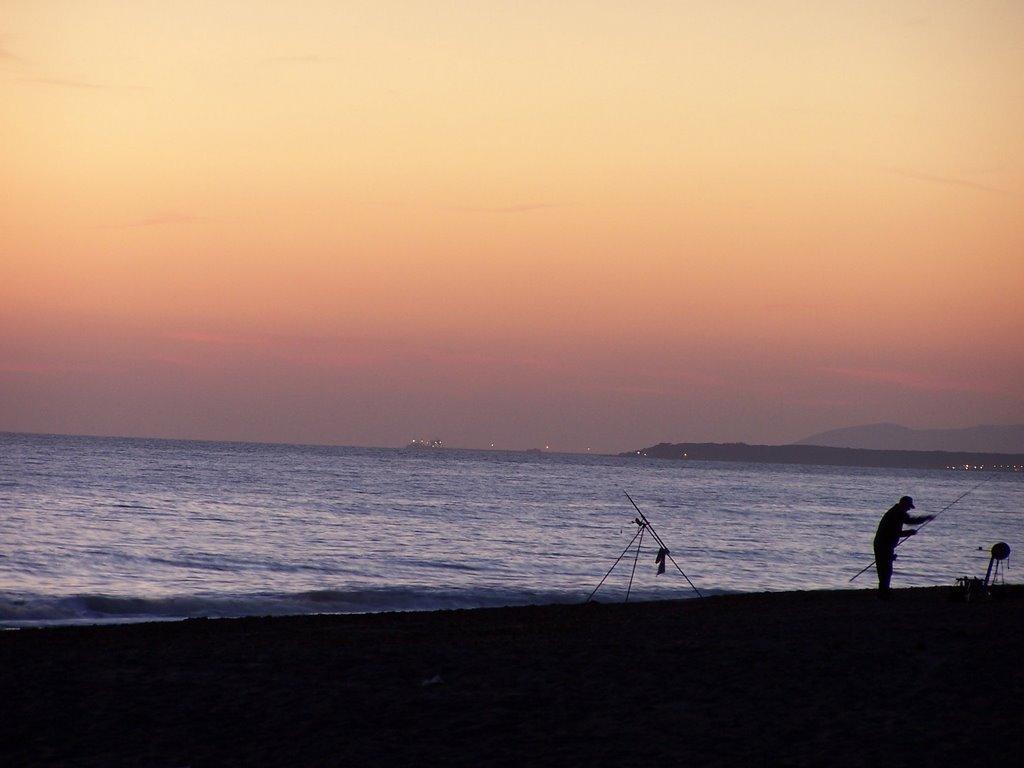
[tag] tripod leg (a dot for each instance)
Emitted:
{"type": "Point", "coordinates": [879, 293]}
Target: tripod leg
{"type": "Point", "coordinates": [619, 558]}
{"type": "Point", "coordinates": [661, 543]}
{"type": "Point", "coordinates": [635, 561]}
{"type": "Point", "coordinates": [685, 577]}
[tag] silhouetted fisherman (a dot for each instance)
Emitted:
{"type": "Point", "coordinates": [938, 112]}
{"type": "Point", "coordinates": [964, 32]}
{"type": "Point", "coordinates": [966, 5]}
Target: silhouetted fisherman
{"type": "Point", "coordinates": [887, 538]}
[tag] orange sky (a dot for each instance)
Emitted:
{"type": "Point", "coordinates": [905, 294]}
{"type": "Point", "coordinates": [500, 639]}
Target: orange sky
{"type": "Point", "coordinates": [582, 224]}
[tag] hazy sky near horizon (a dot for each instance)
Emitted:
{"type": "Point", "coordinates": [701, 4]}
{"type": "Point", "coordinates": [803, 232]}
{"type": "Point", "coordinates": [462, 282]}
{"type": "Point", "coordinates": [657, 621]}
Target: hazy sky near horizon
{"type": "Point", "coordinates": [579, 224]}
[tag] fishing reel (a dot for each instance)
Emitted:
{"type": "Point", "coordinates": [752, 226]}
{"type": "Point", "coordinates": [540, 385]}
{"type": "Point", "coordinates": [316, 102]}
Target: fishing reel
{"type": "Point", "coordinates": [999, 553]}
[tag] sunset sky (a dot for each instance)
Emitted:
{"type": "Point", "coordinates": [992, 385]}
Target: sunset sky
{"type": "Point", "coordinates": [570, 223]}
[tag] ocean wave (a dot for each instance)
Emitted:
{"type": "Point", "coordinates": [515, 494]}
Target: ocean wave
{"type": "Point", "coordinates": [42, 610]}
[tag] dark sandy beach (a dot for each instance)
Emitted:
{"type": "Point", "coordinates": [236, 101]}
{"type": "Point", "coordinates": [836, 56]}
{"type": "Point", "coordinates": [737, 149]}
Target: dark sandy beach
{"type": "Point", "coordinates": [808, 678]}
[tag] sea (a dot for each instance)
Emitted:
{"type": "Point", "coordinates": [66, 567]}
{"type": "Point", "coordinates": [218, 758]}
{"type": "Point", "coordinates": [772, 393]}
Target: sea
{"type": "Point", "coordinates": [100, 529]}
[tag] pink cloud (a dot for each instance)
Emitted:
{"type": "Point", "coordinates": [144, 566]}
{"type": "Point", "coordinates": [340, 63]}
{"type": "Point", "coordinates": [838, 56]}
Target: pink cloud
{"type": "Point", "coordinates": [203, 337]}
{"type": "Point", "coordinates": [946, 180]}
{"type": "Point", "coordinates": [50, 368]}
{"type": "Point", "coordinates": [7, 56]}
{"type": "Point", "coordinates": [181, 361]}
{"type": "Point", "coordinates": [31, 368]}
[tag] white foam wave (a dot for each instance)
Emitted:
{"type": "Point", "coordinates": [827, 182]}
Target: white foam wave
{"type": "Point", "coordinates": [41, 610]}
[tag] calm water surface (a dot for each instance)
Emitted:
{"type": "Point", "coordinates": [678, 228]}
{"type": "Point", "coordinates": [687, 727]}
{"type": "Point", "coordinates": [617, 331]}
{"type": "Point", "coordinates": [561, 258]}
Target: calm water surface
{"type": "Point", "coordinates": [97, 529]}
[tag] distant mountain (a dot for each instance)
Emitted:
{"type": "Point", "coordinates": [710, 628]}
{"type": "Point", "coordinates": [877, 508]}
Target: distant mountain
{"type": "Point", "coordinates": [893, 437]}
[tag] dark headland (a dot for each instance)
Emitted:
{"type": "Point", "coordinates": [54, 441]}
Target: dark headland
{"type": "Point", "coordinates": [831, 456]}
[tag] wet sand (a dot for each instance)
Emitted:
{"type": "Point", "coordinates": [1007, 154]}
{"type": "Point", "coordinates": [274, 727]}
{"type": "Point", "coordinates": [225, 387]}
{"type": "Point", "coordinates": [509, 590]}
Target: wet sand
{"type": "Point", "coordinates": [789, 679]}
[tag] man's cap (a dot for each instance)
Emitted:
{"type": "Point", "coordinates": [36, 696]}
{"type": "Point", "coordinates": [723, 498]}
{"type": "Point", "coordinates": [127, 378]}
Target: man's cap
{"type": "Point", "coordinates": [907, 502]}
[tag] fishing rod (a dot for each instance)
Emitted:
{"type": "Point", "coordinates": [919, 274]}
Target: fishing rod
{"type": "Point", "coordinates": [647, 524]}
{"type": "Point", "coordinates": [932, 517]}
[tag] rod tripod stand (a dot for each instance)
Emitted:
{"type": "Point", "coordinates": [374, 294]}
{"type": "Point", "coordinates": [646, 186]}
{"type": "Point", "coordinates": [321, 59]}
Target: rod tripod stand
{"type": "Point", "coordinates": [643, 526]}
{"type": "Point", "coordinates": [1000, 552]}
